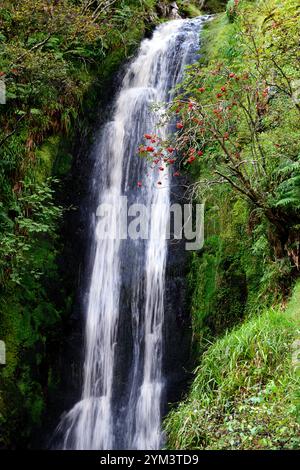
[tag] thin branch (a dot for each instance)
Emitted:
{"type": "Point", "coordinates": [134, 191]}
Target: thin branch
{"type": "Point", "coordinates": [99, 11]}
{"type": "Point", "coordinates": [12, 132]}
{"type": "Point", "coordinates": [241, 190]}
{"type": "Point", "coordinates": [36, 46]}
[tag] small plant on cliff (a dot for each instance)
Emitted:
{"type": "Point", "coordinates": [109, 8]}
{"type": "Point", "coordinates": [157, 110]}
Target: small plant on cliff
{"type": "Point", "coordinates": [232, 10]}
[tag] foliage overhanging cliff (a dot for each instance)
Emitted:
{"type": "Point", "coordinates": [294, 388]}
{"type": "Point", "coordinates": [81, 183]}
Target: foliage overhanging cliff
{"type": "Point", "coordinates": [239, 139]}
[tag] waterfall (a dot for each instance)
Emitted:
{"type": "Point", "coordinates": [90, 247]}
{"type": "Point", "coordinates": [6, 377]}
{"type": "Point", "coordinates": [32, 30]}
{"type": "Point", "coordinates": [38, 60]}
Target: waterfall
{"type": "Point", "coordinates": [123, 387]}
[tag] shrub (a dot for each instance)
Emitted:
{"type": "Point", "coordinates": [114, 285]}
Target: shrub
{"type": "Point", "coordinates": [231, 10]}
{"type": "Point", "coordinates": [245, 391]}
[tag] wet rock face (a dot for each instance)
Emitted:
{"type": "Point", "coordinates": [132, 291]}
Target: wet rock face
{"type": "Point", "coordinates": [177, 327]}
{"type": "Point", "coordinates": [168, 10]}
{"type": "Point", "coordinates": [174, 11]}
{"type": "Point", "coordinates": [162, 9]}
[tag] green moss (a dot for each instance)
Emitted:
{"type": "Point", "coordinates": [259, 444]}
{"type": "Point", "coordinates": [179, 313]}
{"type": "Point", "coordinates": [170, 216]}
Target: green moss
{"type": "Point", "coordinates": [214, 6]}
{"type": "Point", "coordinates": [28, 318]}
{"type": "Point", "coordinates": [219, 39]}
{"type": "Point", "coordinates": [45, 156]}
{"type": "Point", "coordinates": [189, 9]}
{"type": "Point", "coordinates": [224, 276]}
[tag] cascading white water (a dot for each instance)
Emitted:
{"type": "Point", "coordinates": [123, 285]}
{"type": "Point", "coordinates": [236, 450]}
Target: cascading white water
{"type": "Point", "coordinates": [111, 416]}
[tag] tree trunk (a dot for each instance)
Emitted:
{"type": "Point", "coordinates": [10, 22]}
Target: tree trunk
{"type": "Point", "coordinates": [283, 237]}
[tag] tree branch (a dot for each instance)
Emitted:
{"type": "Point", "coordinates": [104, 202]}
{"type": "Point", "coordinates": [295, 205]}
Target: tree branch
{"type": "Point", "coordinates": [241, 190]}
{"type": "Point", "coordinates": [12, 132]}
{"type": "Point", "coordinates": [36, 46]}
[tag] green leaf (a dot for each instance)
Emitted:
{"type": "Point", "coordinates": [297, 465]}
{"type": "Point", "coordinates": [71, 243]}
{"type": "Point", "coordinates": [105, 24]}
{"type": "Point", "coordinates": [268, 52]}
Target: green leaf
{"type": "Point", "coordinates": [35, 111]}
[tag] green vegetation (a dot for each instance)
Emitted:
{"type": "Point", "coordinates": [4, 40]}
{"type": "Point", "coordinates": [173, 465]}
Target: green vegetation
{"type": "Point", "coordinates": [246, 391]}
{"type": "Point", "coordinates": [57, 58]}
{"type": "Point", "coordinates": [239, 139]}
{"type": "Point", "coordinates": [241, 105]}
{"type": "Point", "coordinates": [212, 6]}
{"type": "Point", "coordinates": [188, 9]}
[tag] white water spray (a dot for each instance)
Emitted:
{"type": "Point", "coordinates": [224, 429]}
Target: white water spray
{"type": "Point", "coordinates": [98, 421]}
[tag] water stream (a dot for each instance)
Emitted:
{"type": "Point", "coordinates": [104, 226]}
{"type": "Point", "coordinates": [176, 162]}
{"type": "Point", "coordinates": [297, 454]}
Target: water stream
{"type": "Point", "coordinates": [123, 387]}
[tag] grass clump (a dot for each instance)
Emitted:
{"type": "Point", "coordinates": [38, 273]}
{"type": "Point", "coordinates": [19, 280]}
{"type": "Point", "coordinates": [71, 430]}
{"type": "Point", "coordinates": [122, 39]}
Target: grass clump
{"type": "Point", "coordinates": [245, 391]}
